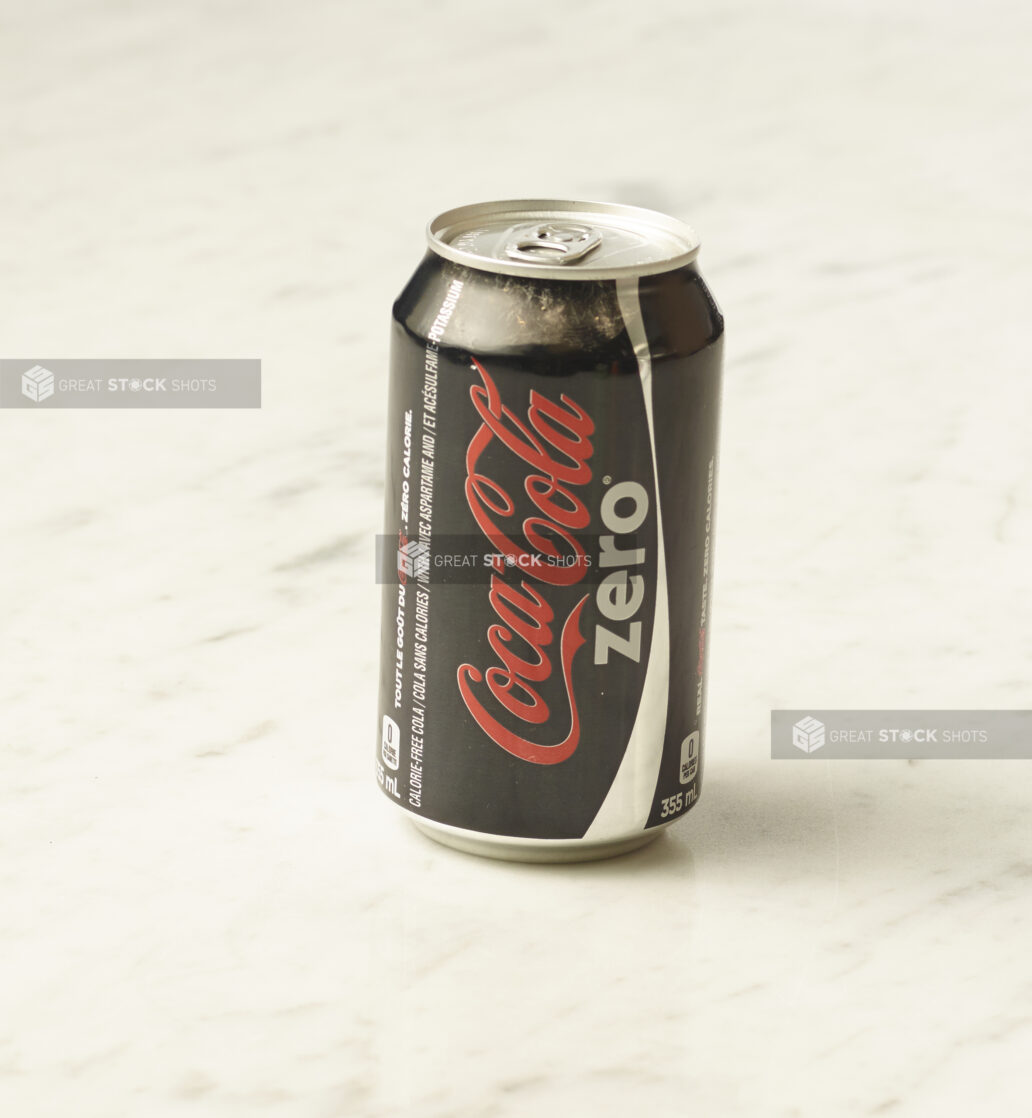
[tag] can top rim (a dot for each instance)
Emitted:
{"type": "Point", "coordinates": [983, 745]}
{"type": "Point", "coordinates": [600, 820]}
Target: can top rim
{"type": "Point", "coordinates": [595, 240]}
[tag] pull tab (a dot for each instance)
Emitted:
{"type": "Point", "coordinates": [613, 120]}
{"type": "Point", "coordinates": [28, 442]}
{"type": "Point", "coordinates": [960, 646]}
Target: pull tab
{"type": "Point", "coordinates": [552, 242]}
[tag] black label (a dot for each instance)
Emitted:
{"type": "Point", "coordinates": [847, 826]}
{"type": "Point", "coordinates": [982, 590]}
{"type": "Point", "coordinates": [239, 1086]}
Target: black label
{"type": "Point", "coordinates": [520, 601]}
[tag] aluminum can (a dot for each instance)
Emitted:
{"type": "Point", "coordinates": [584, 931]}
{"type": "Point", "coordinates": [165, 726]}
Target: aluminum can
{"type": "Point", "coordinates": [547, 553]}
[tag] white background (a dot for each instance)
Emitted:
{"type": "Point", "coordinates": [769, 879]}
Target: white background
{"type": "Point", "coordinates": [205, 905]}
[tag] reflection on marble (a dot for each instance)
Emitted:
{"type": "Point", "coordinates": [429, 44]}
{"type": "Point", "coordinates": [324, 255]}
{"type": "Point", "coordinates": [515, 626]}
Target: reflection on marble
{"type": "Point", "coordinates": [204, 906]}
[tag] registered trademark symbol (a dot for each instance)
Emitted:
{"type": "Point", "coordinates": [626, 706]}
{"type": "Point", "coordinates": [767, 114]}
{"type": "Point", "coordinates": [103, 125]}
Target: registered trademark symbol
{"type": "Point", "coordinates": [606, 480]}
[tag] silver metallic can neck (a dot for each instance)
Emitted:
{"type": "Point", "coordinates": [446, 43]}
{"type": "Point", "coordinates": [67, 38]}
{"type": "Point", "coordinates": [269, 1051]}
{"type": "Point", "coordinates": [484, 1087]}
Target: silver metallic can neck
{"type": "Point", "coordinates": [554, 239]}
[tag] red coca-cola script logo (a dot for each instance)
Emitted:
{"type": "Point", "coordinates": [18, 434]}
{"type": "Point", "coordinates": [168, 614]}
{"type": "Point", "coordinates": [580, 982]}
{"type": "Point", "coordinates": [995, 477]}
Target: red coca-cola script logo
{"type": "Point", "coordinates": [555, 445]}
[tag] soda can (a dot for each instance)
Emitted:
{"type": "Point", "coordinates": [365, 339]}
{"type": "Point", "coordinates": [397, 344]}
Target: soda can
{"type": "Point", "coordinates": [547, 553]}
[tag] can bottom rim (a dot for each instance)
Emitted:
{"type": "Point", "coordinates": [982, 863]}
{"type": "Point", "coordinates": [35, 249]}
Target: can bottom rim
{"type": "Point", "coordinates": [509, 849]}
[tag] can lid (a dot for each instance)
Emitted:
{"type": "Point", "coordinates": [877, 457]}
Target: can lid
{"type": "Point", "coordinates": [547, 238]}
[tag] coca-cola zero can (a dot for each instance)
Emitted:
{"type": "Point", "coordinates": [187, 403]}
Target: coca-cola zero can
{"type": "Point", "coordinates": [551, 464]}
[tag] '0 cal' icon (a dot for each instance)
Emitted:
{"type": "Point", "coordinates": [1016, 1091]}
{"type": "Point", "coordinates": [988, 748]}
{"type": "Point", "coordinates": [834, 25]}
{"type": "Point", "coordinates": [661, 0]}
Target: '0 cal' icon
{"type": "Point", "coordinates": [390, 743]}
{"type": "Point", "coordinates": [808, 734]}
{"type": "Point", "coordinates": [689, 757]}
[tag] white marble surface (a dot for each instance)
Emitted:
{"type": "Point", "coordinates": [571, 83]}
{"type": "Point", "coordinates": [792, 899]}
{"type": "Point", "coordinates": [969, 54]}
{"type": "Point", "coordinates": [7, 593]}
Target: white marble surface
{"type": "Point", "coordinates": [205, 908]}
